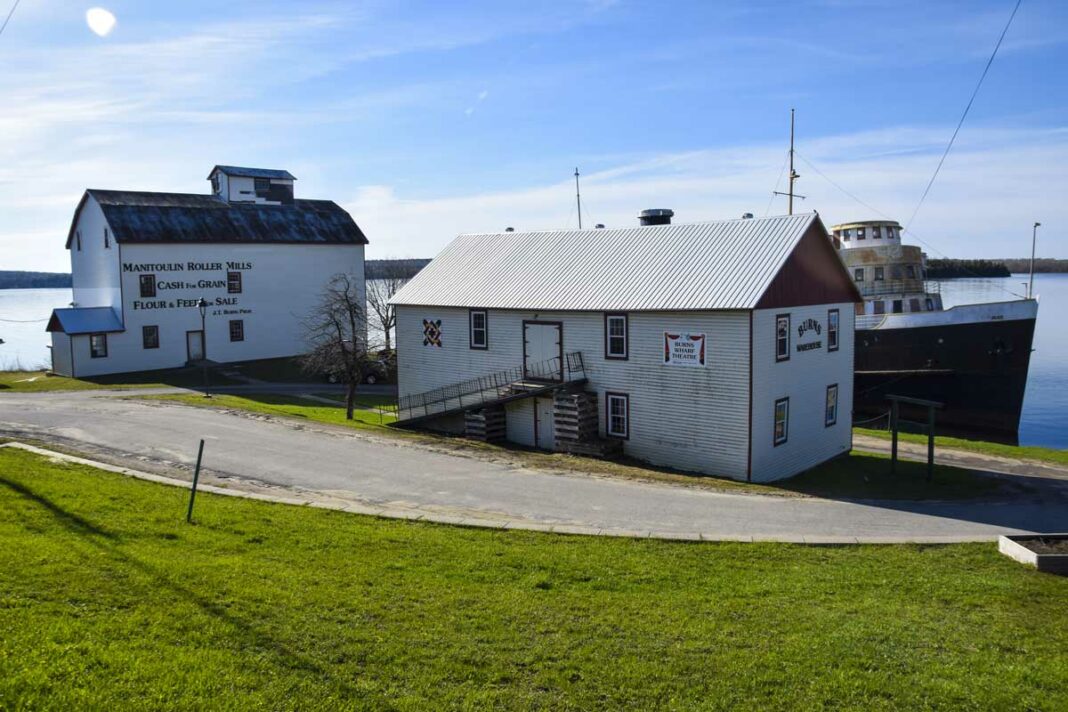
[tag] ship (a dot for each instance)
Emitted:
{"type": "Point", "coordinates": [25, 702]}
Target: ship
{"type": "Point", "coordinates": [971, 358]}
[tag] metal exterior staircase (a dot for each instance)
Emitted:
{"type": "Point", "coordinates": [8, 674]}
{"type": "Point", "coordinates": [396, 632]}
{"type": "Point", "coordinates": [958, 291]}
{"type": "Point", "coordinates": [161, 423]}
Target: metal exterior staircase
{"type": "Point", "coordinates": [493, 389]}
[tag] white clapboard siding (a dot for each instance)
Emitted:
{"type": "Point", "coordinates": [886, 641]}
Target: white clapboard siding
{"type": "Point", "coordinates": [804, 379]}
{"type": "Point", "coordinates": [692, 419]}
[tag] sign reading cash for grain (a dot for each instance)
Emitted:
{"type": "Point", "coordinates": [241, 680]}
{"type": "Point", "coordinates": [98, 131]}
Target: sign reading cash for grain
{"type": "Point", "coordinates": [684, 349]}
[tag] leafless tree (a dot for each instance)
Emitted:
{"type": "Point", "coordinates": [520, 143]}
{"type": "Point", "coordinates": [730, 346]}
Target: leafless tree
{"type": "Point", "coordinates": [389, 277]}
{"type": "Point", "coordinates": [336, 331]}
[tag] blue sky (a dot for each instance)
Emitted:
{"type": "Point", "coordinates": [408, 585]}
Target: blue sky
{"type": "Point", "coordinates": [429, 119]}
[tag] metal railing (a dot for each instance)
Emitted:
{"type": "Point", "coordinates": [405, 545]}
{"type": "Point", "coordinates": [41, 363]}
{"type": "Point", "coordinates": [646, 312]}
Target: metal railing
{"type": "Point", "coordinates": [491, 387]}
{"type": "Point", "coordinates": [882, 287]}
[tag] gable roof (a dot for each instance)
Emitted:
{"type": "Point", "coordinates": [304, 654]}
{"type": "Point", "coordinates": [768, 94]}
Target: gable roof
{"type": "Point", "coordinates": [244, 172]}
{"type": "Point", "coordinates": [717, 265]}
{"type": "Point", "coordinates": [84, 320]}
{"type": "Point", "coordinates": [146, 217]}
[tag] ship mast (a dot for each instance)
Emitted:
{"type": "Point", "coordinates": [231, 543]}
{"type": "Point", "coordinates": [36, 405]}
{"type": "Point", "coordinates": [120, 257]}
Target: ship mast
{"type": "Point", "coordinates": [578, 197]}
{"type": "Point", "coordinates": [794, 175]}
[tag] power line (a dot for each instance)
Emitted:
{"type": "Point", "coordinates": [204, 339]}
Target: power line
{"type": "Point", "coordinates": [8, 18]}
{"type": "Point", "coordinates": [964, 115]}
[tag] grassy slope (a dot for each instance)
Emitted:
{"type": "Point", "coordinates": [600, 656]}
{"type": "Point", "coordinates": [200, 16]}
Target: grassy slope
{"type": "Point", "coordinates": [108, 600]}
{"type": "Point", "coordinates": [862, 476]}
{"type": "Point", "coordinates": [1024, 452]}
{"type": "Point", "coordinates": [36, 381]}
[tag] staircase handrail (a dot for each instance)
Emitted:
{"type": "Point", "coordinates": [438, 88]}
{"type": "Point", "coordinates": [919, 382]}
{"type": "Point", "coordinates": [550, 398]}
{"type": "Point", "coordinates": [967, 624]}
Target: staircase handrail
{"type": "Point", "coordinates": [493, 385]}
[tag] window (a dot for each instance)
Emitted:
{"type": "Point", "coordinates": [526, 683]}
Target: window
{"type": "Point", "coordinates": [858, 274]}
{"type": "Point", "coordinates": [107, 241]}
{"type": "Point", "coordinates": [262, 185]}
{"type": "Point", "coordinates": [237, 330]}
{"type": "Point", "coordinates": [78, 239]}
{"type": "Point", "coordinates": [845, 235]}
{"type": "Point", "coordinates": [898, 306]}
{"type": "Point", "coordinates": [879, 306]}
{"type": "Point", "coordinates": [832, 330]}
{"type": "Point", "coordinates": [860, 233]}
{"type": "Point", "coordinates": [929, 303]}
{"type": "Point", "coordinates": [617, 415]}
{"type": "Point", "coordinates": [233, 283]}
{"type": "Point", "coordinates": [615, 336]}
{"type": "Point", "coordinates": [876, 233]}
{"type": "Point", "coordinates": [148, 285]}
{"type": "Point", "coordinates": [150, 337]}
{"type": "Point", "coordinates": [910, 271]}
{"type": "Point", "coordinates": [782, 337]}
{"type": "Point", "coordinates": [889, 233]}
{"type": "Point", "coordinates": [914, 305]}
{"type": "Point", "coordinates": [878, 274]}
{"type": "Point", "coordinates": [782, 417]}
{"type": "Point", "coordinates": [830, 410]}
{"type": "Point", "coordinates": [98, 345]}
{"type": "Point", "coordinates": [479, 323]}
{"type": "Point", "coordinates": [895, 271]}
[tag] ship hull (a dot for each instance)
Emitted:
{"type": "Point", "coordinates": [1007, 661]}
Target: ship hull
{"type": "Point", "coordinates": [978, 369]}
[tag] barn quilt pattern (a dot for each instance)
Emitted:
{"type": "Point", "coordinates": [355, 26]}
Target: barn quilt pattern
{"type": "Point", "coordinates": [432, 332]}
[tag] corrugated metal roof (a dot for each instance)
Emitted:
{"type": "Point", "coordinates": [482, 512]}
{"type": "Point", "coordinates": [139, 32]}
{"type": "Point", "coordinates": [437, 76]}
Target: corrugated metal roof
{"type": "Point", "coordinates": [716, 265]}
{"type": "Point", "coordinates": [84, 320]}
{"type": "Point", "coordinates": [139, 217]}
{"type": "Point", "coordinates": [246, 172]}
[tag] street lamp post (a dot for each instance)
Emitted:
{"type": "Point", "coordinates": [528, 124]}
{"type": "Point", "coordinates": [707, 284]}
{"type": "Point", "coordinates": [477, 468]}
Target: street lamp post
{"type": "Point", "coordinates": [202, 305]}
{"type": "Point", "coordinates": [1031, 283]}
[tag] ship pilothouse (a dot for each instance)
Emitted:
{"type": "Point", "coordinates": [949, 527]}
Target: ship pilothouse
{"type": "Point", "coordinates": [890, 275]}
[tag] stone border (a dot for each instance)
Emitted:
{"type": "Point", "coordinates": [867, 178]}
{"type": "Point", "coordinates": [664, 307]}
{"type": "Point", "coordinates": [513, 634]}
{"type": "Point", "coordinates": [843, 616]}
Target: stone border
{"type": "Point", "coordinates": [357, 507]}
{"type": "Point", "coordinates": [1015, 548]}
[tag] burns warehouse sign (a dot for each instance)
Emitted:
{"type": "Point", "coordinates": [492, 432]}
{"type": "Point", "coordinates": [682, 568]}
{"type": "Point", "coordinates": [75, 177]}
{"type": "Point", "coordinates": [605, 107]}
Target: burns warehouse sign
{"type": "Point", "coordinates": [174, 282]}
{"type": "Point", "coordinates": [809, 326]}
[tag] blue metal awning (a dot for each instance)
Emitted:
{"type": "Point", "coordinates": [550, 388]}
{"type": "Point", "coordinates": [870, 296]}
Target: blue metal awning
{"type": "Point", "coordinates": [85, 320]}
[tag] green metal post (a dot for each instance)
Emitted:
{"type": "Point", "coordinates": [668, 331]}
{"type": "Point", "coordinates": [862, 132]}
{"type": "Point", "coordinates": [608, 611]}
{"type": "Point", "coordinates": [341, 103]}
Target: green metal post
{"type": "Point", "coordinates": [196, 478]}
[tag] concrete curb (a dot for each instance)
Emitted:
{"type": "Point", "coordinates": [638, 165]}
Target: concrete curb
{"type": "Point", "coordinates": [388, 512]}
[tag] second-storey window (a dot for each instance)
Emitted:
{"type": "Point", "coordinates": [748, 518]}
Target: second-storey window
{"type": "Point", "coordinates": [148, 285]}
{"type": "Point", "coordinates": [878, 274]}
{"type": "Point", "coordinates": [782, 337]}
{"type": "Point", "coordinates": [830, 411]}
{"type": "Point", "coordinates": [233, 283]}
{"type": "Point", "coordinates": [858, 274]}
{"type": "Point", "coordinates": [237, 330]}
{"type": "Point", "coordinates": [617, 415]}
{"type": "Point", "coordinates": [782, 420]}
{"type": "Point", "coordinates": [832, 330]}
{"type": "Point", "coordinates": [615, 336]}
{"type": "Point", "coordinates": [479, 326]}
{"type": "Point", "coordinates": [150, 337]}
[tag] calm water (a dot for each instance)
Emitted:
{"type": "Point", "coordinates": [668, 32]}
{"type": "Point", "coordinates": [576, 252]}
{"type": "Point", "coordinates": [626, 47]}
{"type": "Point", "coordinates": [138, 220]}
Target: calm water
{"type": "Point", "coordinates": [1045, 416]}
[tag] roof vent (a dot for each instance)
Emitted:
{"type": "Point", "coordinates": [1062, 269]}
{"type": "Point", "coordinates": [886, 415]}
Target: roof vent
{"type": "Point", "coordinates": [509, 229]}
{"type": "Point", "coordinates": [599, 226]}
{"type": "Point", "coordinates": [656, 216]}
{"type": "Point", "coordinates": [747, 216]}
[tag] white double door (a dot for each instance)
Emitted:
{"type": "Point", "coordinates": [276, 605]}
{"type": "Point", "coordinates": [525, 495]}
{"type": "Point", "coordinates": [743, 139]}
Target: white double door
{"type": "Point", "coordinates": [542, 352]}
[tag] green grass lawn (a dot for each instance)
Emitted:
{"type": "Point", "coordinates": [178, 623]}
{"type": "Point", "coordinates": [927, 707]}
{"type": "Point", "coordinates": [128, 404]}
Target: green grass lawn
{"type": "Point", "coordinates": [1023, 452]}
{"type": "Point", "coordinates": [366, 414]}
{"type": "Point", "coordinates": [35, 381]}
{"type": "Point", "coordinates": [108, 600]}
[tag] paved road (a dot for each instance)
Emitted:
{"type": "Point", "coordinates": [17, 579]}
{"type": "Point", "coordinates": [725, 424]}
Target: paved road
{"type": "Point", "coordinates": [374, 470]}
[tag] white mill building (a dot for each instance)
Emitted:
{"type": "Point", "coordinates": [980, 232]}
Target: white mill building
{"type": "Point", "coordinates": [724, 348]}
{"type": "Point", "coordinates": [141, 262]}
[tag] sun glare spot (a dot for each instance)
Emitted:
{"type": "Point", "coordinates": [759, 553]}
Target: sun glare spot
{"type": "Point", "coordinates": [100, 21]}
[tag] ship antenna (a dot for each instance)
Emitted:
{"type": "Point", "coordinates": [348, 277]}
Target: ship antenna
{"type": "Point", "coordinates": [578, 197]}
{"type": "Point", "coordinates": [794, 175]}
{"type": "Point", "coordinates": [1031, 281]}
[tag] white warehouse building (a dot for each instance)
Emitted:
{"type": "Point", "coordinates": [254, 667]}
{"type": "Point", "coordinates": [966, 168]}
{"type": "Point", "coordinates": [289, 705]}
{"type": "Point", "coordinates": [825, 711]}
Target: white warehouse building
{"type": "Point", "coordinates": [142, 261]}
{"type": "Point", "coordinates": [723, 348]}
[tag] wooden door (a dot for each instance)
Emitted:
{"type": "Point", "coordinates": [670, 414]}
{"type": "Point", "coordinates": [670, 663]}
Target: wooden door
{"type": "Point", "coordinates": [543, 352]}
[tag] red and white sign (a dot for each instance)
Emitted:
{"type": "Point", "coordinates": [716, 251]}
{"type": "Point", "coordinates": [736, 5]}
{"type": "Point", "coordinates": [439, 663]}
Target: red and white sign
{"type": "Point", "coordinates": [684, 349]}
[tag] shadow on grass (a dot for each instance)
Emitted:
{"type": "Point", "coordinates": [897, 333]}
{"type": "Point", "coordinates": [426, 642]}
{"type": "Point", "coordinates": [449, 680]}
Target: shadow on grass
{"type": "Point", "coordinates": [107, 543]}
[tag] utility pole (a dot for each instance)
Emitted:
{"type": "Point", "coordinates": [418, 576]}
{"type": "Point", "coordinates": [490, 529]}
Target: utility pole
{"type": "Point", "coordinates": [1031, 283]}
{"type": "Point", "coordinates": [794, 175]}
{"type": "Point", "coordinates": [578, 197]}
